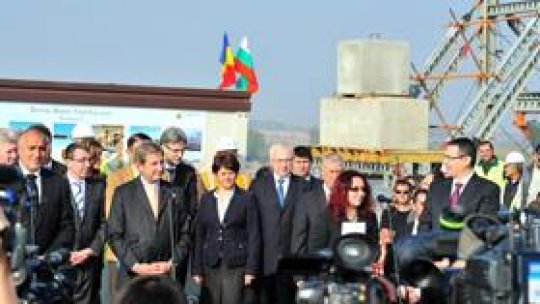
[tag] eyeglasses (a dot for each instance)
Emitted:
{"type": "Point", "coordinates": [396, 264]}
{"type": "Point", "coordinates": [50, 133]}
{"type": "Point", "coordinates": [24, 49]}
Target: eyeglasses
{"type": "Point", "coordinates": [356, 189]}
{"type": "Point", "coordinates": [282, 160]}
{"type": "Point", "coordinates": [82, 160]}
{"type": "Point", "coordinates": [401, 192]}
{"type": "Point", "coordinates": [454, 157]}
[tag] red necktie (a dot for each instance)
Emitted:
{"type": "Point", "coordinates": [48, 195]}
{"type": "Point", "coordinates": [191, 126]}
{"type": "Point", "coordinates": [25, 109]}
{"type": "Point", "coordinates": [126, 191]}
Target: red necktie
{"type": "Point", "coordinates": [454, 197]}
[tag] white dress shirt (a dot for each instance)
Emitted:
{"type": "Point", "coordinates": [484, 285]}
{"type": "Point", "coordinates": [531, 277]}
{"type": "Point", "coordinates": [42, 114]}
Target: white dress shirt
{"type": "Point", "coordinates": [223, 200]}
{"type": "Point", "coordinates": [286, 181]}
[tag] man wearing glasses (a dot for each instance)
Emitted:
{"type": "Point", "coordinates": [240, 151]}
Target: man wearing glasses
{"type": "Point", "coordinates": [174, 144]}
{"type": "Point", "coordinates": [463, 190]}
{"type": "Point", "coordinates": [276, 193]}
{"type": "Point", "coordinates": [462, 193]}
{"type": "Point", "coordinates": [87, 199]}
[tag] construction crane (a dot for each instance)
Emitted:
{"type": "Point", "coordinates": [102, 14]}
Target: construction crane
{"type": "Point", "coordinates": [468, 52]}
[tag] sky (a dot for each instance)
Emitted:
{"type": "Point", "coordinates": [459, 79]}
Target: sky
{"type": "Point", "coordinates": [177, 43]}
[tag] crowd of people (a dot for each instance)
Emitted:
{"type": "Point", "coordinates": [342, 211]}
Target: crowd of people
{"type": "Point", "coordinates": [157, 223]}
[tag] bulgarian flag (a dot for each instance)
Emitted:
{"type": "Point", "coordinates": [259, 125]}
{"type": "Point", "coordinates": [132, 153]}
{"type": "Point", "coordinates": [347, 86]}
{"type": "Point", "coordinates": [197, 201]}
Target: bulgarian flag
{"type": "Point", "coordinates": [228, 73]}
{"type": "Point", "coordinates": [244, 66]}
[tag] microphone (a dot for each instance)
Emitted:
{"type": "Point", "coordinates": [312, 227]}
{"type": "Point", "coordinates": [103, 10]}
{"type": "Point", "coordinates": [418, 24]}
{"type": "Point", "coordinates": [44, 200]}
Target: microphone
{"type": "Point", "coordinates": [18, 255]}
{"type": "Point", "coordinates": [384, 200]}
{"type": "Point", "coordinates": [9, 197]}
{"type": "Point", "coordinates": [57, 257]}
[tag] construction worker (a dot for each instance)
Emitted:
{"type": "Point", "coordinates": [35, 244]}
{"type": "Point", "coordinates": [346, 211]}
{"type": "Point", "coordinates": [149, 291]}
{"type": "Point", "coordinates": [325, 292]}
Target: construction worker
{"type": "Point", "coordinates": [489, 166]}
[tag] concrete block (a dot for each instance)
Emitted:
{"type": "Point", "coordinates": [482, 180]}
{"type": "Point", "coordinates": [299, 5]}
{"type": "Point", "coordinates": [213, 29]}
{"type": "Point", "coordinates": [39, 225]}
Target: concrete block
{"type": "Point", "coordinates": [373, 67]}
{"type": "Point", "coordinates": [374, 123]}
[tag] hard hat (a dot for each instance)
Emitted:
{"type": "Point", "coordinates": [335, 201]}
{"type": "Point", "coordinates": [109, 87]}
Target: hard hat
{"type": "Point", "coordinates": [514, 158]}
{"type": "Point", "coordinates": [83, 131]}
{"type": "Point", "coordinates": [225, 144]}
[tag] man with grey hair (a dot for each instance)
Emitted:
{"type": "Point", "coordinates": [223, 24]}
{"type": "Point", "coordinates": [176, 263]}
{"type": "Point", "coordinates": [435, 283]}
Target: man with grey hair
{"type": "Point", "coordinates": [312, 229]}
{"type": "Point", "coordinates": [8, 147]}
{"type": "Point", "coordinates": [174, 143]}
{"type": "Point", "coordinates": [276, 194]}
{"type": "Point", "coordinates": [148, 216]}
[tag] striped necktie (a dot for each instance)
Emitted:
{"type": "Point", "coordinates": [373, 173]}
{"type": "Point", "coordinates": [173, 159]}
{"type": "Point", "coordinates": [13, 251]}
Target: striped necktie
{"type": "Point", "coordinates": [78, 197]}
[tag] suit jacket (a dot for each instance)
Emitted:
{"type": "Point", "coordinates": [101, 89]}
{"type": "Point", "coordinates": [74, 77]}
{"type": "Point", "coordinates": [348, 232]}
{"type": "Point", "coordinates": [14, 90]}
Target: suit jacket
{"type": "Point", "coordinates": [276, 221]}
{"type": "Point", "coordinates": [478, 196]}
{"type": "Point", "coordinates": [54, 215]}
{"type": "Point", "coordinates": [235, 241]}
{"type": "Point", "coordinates": [136, 236]}
{"type": "Point", "coordinates": [312, 224]}
{"type": "Point", "coordinates": [90, 229]}
{"type": "Point", "coordinates": [58, 168]}
{"type": "Point", "coordinates": [185, 177]}
{"type": "Point", "coordinates": [115, 179]}
{"type": "Point", "coordinates": [313, 183]}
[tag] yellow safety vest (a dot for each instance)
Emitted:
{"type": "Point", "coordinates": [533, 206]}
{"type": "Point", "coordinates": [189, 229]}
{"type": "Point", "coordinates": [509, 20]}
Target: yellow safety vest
{"type": "Point", "coordinates": [495, 174]}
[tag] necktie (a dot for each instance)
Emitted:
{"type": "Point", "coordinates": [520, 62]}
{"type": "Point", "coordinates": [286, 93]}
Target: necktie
{"type": "Point", "coordinates": [31, 187]}
{"type": "Point", "coordinates": [170, 174]}
{"type": "Point", "coordinates": [281, 191]}
{"type": "Point", "coordinates": [78, 197]}
{"type": "Point", "coordinates": [454, 197]}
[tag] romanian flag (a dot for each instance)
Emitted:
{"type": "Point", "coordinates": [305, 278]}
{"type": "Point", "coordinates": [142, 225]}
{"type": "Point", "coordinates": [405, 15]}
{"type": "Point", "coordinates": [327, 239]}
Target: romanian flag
{"type": "Point", "coordinates": [244, 66]}
{"type": "Point", "coordinates": [228, 73]}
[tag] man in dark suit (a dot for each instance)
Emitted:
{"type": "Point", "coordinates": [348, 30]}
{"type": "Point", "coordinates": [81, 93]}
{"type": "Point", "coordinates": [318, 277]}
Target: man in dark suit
{"type": "Point", "coordinates": [312, 220]}
{"type": "Point", "coordinates": [462, 193]}
{"type": "Point", "coordinates": [276, 194]}
{"type": "Point", "coordinates": [54, 227]}
{"type": "Point", "coordinates": [87, 197]}
{"type": "Point", "coordinates": [463, 190]}
{"type": "Point", "coordinates": [301, 167]}
{"type": "Point", "coordinates": [147, 225]}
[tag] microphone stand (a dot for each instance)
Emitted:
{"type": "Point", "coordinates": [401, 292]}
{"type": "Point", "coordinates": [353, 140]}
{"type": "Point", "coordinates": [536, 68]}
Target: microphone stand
{"type": "Point", "coordinates": [33, 197]}
{"type": "Point", "coordinates": [174, 259]}
{"type": "Point", "coordinates": [395, 263]}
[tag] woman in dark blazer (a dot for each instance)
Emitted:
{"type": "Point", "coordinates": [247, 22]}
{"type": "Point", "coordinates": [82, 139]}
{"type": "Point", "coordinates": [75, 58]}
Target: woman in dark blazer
{"type": "Point", "coordinates": [227, 237]}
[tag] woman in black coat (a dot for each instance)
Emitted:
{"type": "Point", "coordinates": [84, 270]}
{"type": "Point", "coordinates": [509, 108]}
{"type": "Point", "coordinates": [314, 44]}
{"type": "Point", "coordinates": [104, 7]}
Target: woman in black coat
{"type": "Point", "coordinates": [227, 237]}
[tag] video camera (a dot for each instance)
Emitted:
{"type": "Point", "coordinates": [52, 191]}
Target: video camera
{"type": "Point", "coordinates": [341, 274]}
{"type": "Point", "coordinates": [504, 266]}
{"type": "Point", "coordinates": [38, 278]}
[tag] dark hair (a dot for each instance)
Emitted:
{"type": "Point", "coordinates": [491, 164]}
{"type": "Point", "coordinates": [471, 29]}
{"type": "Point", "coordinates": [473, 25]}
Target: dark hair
{"type": "Point", "coordinates": [485, 142]}
{"type": "Point", "coordinates": [339, 196]}
{"type": "Point", "coordinates": [227, 160]}
{"type": "Point", "coordinates": [151, 289]}
{"type": "Point", "coordinates": [41, 128]}
{"type": "Point", "coordinates": [466, 147]}
{"type": "Point", "coordinates": [70, 149]}
{"type": "Point", "coordinates": [137, 137]}
{"type": "Point", "coordinates": [303, 152]}
{"type": "Point", "coordinates": [93, 143]}
{"type": "Point", "coordinates": [403, 182]}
